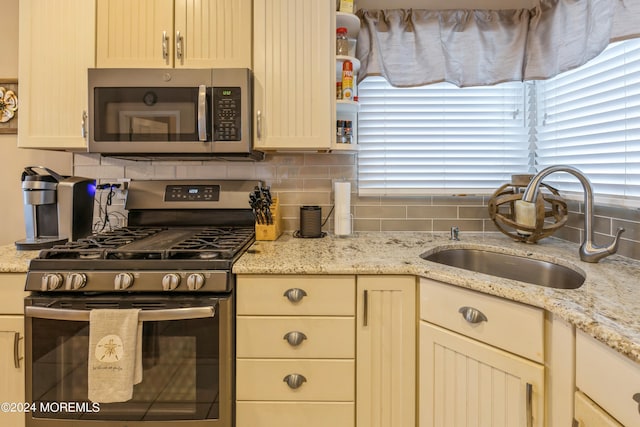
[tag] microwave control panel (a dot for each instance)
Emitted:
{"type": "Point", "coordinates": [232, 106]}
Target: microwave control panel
{"type": "Point", "coordinates": [227, 117]}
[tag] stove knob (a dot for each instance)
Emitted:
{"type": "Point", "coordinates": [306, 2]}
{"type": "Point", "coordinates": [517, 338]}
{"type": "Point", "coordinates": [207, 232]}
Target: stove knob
{"type": "Point", "coordinates": [170, 281]}
{"type": "Point", "coordinates": [76, 281]}
{"type": "Point", "coordinates": [195, 281]}
{"type": "Point", "coordinates": [51, 281]}
{"type": "Point", "coordinates": [123, 281]}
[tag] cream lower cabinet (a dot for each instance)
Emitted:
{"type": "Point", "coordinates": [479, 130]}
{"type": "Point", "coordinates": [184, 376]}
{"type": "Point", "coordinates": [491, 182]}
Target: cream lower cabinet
{"type": "Point", "coordinates": [294, 69]}
{"type": "Point", "coordinates": [608, 385]}
{"type": "Point", "coordinates": [56, 46]}
{"type": "Point", "coordinates": [589, 414]}
{"type": "Point", "coordinates": [386, 352]}
{"type": "Point", "coordinates": [481, 360]}
{"type": "Point", "coordinates": [174, 33]}
{"type": "Point", "coordinates": [12, 348]}
{"type": "Point", "coordinates": [295, 349]}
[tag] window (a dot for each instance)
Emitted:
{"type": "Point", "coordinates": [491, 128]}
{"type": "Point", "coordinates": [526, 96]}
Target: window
{"type": "Point", "coordinates": [590, 118]}
{"type": "Point", "coordinates": [443, 139]}
{"type": "Point", "coordinates": [440, 138]}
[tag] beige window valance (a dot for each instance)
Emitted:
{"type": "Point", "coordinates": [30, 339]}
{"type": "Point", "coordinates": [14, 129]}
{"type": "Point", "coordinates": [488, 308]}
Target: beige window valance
{"type": "Point", "coordinates": [411, 47]}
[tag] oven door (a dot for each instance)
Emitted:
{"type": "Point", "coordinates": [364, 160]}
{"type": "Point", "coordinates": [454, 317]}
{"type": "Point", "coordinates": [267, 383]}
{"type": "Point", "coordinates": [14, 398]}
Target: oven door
{"type": "Point", "coordinates": [186, 353]}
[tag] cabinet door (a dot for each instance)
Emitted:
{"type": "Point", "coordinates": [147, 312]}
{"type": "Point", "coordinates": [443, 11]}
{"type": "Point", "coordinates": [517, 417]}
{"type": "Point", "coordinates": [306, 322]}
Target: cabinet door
{"type": "Point", "coordinates": [385, 351]}
{"type": "Point", "coordinates": [12, 368]}
{"type": "Point", "coordinates": [57, 45]}
{"type": "Point", "coordinates": [213, 33]}
{"type": "Point", "coordinates": [135, 34]}
{"type": "Point", "coordinates": [464, 382]}
{"type": "Point", "coordinates": [588, 414]}
{"type": "Point", "coordinates": [294, 83]}
{"type": "Point", "coordinates": [609, 378]}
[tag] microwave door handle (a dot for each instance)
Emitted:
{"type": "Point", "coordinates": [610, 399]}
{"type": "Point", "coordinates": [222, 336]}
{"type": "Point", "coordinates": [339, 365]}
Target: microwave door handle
{"type": "Point", "coordinates": [145, 315]}
{"type": "Point", "coordinates": [202, 113]}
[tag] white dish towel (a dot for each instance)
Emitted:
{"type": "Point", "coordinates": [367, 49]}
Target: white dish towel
{"type": "Point", "coordinates": [115, 354]}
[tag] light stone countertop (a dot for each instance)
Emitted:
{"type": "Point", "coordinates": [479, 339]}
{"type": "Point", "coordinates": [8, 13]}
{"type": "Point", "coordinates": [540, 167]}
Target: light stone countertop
{"type": "Point", "coordinates": [15, 261]}
{"type": "Point", "coordinates": [606, 306]}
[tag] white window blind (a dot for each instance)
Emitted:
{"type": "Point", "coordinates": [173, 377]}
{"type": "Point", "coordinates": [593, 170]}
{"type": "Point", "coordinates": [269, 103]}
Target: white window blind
{"type": "Point", "coordinates": [590, 118]}
{"type": "Point", "coordinates": [440, 138]}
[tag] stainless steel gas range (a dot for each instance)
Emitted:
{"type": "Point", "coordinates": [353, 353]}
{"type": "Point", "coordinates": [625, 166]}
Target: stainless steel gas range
{"type": "Point", "coordinates": [172, 262]}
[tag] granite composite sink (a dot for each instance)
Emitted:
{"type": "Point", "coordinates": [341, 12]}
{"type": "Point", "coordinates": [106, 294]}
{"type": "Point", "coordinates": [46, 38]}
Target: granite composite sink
{"type": "Point", "coordinates": [524, 269]}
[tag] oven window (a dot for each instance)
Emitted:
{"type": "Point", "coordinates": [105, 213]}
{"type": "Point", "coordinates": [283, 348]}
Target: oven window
{"type": "Point", "coordinates": [146, 114]}
{"type": "Point", "coordinates": [181, 375]}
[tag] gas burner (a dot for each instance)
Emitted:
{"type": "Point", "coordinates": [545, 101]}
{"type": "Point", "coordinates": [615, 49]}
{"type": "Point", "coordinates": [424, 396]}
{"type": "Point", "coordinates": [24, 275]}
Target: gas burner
{"type": "Point", "coordinates": [128, 255]}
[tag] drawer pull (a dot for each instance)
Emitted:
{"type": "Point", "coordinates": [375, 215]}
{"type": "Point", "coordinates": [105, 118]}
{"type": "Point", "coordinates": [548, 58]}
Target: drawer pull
{"type": "Point", "coordinates": [472, 315]}
{"type": "Point", "coordinates": [295, 338]}
{"type": "Point", "coordinates": [636, 397]}
{"type": "Point", "coordinates": [295, 294]}
{"type": "Point", "coordinates": [294, 381]}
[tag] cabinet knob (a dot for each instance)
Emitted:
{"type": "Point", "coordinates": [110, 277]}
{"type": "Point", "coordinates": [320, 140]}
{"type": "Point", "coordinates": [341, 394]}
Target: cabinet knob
{"type": "Point", "coordinates": [636, 397]}
{"type": "Point", "coordinates": [472, 315]}
{"type": "Point", "coordinates": [295, 338]}
{"type": "Point", "coordinates": [294, 381]}
{"type": "Point", "coordinates": [295, 294]}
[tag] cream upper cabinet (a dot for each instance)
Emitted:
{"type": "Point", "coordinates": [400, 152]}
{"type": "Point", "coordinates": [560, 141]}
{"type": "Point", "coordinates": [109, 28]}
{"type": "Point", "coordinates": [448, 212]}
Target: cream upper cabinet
{"type": "Point", "coordinates": [294, 69]}
{"type": "Point", "coordinates": [386, 351]}
{"type": "Point", "coordinates": [174, 33]}
{"type": "Point", "coordinates": [56, 46]}
{"type": "Point", "coordinates": [481, 360]}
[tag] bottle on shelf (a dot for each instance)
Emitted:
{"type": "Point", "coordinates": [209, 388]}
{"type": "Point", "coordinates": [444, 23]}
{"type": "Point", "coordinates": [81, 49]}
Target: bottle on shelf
{"type": "Point", "coordinates": [347, 80]}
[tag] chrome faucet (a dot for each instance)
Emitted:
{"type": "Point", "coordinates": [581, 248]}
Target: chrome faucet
{"type": "Point", "coordinates": [588, 251]}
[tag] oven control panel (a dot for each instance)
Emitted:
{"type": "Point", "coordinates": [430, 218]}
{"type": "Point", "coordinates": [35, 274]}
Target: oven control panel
{"type": "Point", "coordinates": [133, 281]}
{"type": "Point", "coordinates": [192, 193]}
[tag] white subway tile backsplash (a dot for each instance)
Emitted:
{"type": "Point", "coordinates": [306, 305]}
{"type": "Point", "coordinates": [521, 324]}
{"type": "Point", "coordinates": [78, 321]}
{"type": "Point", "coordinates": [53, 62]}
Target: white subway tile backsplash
{"type": "Point", "coordinates": [307, 179]}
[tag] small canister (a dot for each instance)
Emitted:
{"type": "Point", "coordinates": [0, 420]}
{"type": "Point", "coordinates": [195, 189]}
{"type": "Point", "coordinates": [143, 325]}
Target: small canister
{"type": "Point", "coordinates": [310, 221]}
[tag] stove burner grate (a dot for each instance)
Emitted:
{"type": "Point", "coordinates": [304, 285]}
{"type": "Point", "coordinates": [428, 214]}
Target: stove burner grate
{"type": "Point", "coordinates": [129, 243]}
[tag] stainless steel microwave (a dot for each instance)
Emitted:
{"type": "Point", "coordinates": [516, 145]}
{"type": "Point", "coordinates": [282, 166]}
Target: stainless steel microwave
{"type": "Point", "coordinates": [171, 113]}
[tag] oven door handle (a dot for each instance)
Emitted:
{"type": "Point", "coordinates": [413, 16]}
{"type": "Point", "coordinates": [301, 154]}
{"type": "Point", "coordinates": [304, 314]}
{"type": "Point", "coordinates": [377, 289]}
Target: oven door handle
{"type": "Point", "coordinates": [145, 315]}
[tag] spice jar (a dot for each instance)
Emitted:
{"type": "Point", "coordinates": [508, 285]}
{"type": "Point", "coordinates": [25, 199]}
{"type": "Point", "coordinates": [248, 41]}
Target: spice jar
{"type": "Point", "coordinates": [342, 43]}
{"type": "Point", "coordinates": [348, 132]}
{"type": "Point", "coordinates": [340, 139]}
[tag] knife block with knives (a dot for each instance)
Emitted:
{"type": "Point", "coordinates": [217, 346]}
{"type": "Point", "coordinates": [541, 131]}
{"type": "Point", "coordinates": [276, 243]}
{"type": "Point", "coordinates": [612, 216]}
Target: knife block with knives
{"type": "Point", "coordinates": [272, 229]}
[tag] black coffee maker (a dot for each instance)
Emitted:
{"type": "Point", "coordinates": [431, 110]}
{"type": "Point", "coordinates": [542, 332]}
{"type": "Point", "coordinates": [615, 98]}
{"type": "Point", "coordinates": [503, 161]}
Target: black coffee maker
{"type": "Point", "coordinates": [57, 208]}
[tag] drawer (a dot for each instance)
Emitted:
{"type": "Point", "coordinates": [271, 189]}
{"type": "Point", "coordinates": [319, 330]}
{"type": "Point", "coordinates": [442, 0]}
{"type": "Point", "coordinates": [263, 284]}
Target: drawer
{"type": "Point", "coordinates": [319, 295]}
{"type": "Point", "coordinates": [511, 326]}
{"type": "Point", "coordinates": [325, 337]}
{"type": "Point", "coordinates": [326, 380]}
{"type": "Point", "coordinates": [608, 378]}
{"type": "Point", "coordinates": [295, 414]}
{"type": "Point", "coordinates": [12, 293]}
